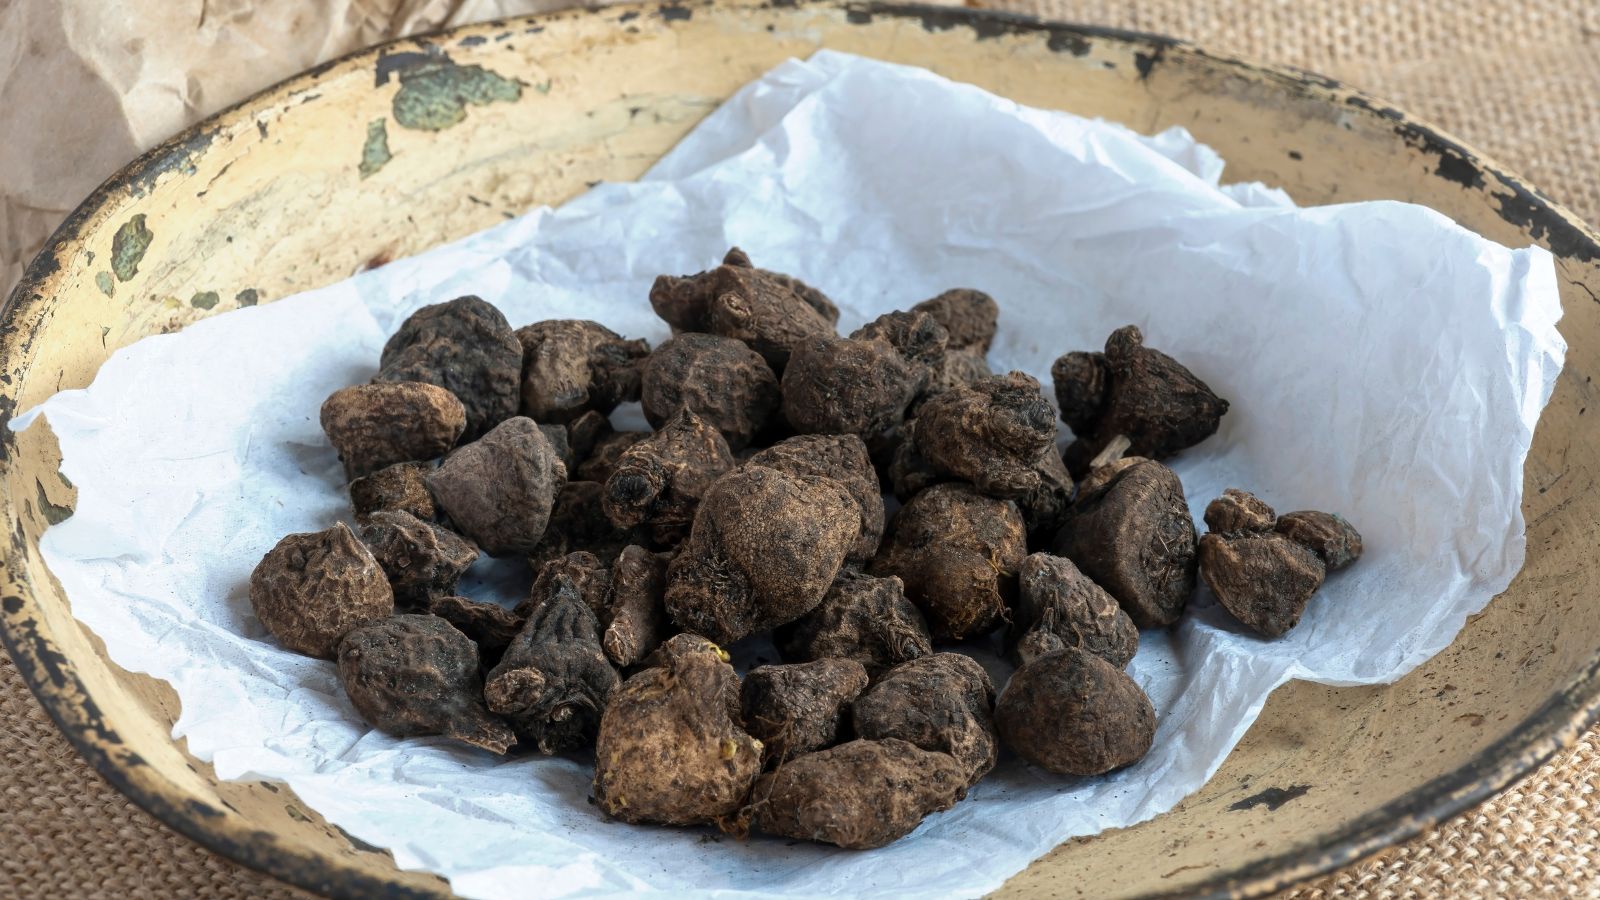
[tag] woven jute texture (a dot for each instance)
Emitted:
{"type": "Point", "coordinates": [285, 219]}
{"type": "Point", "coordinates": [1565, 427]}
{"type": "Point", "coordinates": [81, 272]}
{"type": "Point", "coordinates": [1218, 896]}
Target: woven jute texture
{"type": "Point", "coordinates": [1519, 80]}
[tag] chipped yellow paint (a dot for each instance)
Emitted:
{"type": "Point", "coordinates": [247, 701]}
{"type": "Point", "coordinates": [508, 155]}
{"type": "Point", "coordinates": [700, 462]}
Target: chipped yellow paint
{"type": "Point", "coordinates": [252, 206]}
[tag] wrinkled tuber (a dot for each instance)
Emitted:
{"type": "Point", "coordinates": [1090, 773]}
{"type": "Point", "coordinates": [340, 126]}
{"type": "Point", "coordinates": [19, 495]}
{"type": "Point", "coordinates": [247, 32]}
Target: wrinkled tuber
{"type": "Point", "coordinates": [1054, 596]}
{"type": "Point", "coordinates": [1134, 537]}
{"type": "Point", "coordinates": [725, 382]}
{"type": "Point", "coordinates": [942, 702]}
{"type": "Point", "coordinates": [991, 433]}
{"type": "Point", "coordinates": [421, 559]}
{"type": "Point", "coordinates": [1329, 536]}
{"type": "Point", "coordinates": [797, 709]}
{"type": "Point", "coordinates": [1239, 511]}
{"type": "Point", "coordinates": [417, 675]}
{"type": "Point", "coordinates": [843, 386]}
{"type": "Point", "coordinates": [377, 425]}
{"type": "Point", "coordinates": [1072, 713]}
{"type": "Point", "coordinates": [466, 347]}
{"type": "Point", "coordinates": [861, 618]}
{"type": "Point", "coordinates": [491, 626]}
{"type": "Point", "coordinates": [957, 552]}
{"type": "Point", "coordinates": [772, 313]}
{"type": "Point", "coordinates": [402, 487]}
{"type": "Point", "coordinates": [312, 588]}
{"type": "Point", "coordinates": [1136, 392]}
{"type": "Point", "coordinates": [1264, 579]}
{"type": "Point", "coordinates": [553, 682]}
{"type": "Point", "coordinates": [636, 619]}
{"type": "Point", "coordinates": [499, 489]}
{"type": "Point", "coordinates": [671, 748]}
{"type": "Point", "coordinates": [842, 457]}
{"type": "Point", "coordinates": [658, 482]}
{"type": "Point", "coordinates": [859, 795]}
{"type": "Point", "coordinates": [969, 318]}
{"type": "Point", "coordinates": [764, 549]}
{"type": "Point", "coordinates": [574, 366]}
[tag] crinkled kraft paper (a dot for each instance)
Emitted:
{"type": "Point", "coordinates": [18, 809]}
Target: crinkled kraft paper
{"type": "Point", "coordinates": [85, 84]}
{"type": "Point", "coordinates": [1382, 362]}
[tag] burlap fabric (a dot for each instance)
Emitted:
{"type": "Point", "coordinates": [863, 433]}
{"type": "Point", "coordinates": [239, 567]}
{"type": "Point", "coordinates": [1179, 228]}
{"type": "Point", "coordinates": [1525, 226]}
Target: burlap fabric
{"type": "Point", "coordinates": [1519, 80]}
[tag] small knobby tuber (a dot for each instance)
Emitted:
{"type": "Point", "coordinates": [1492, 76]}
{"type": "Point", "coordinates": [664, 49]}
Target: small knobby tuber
{"type": "Point", "coordinates": [991, 433]}
{"type": "Point", "coordinates": [770, 312]}
{"type": "Point", "coordinates": [402, 487]}
{"type": "Point", "coordinates": [859, 795]}
{"type": "Point", "coordinates": [764, 548]}
{"type": "Point", "coordinates": [659, 482]}
{"type": "Point", "coordinates": [588, 574]}
{"type": "Point", "coordinates": [671, 748]}
{"type": "Point", "coordinates": [421, 559]}
{"type": "Point", "coordinates": [586, 432]}
{"type": "Point", "coordinates": [578, 521]}
{"type": "Point", "coordinates": [554, 681]}
{"type": "Point", "coordinates": [1329, 536]}
{"type": "Point", "coordinates": [466, 347]}
{"type": "Point", "coordinates": [499, 489]}
{"type": "Point", "coordinates": [1264, 579]}
{"type": "Point", "coordinates": [957, 551]}
{"type": "Point", "coordinates": [943, 702]}
{"type": "Point", "coordinates": [1054, 597]}
{"type": "Point", "coordinates": [797, 709]}
{"type": "Point", "coordinates": [1136, 392]}
{"type": "Point", "coordinates": [959, 368]}
{"type": "Point", "coordinates": [969, 318]}
{"type": "Point", "coordinates": [601, 460]}
{"type": "Point", "coordinates": [312, 588]}
{"type": "Point", "coordinates": [861, 618]}
{"type": "Point", "coordinates": [1072, 713]}
{"type": "Point", "coordinates": [813, 298]}
{"type": "Point", "coordinates": [415, 675]}
{"type": "Point", "coordinates": [1239, 511]}
{"type": "Point", "coordinates": [377, 425]}
{"type": "Point", "coordinates": [1264, 568]}
{"type": "Point", "coordinates": [729, 385]}
{"type": "Point", "coordinates": [491, 626]}
{"type": "Point", "coordinates": [844, 386]}
{"type": "Point", "coordinates": [1133, 535]}
{"type": "Point", "coordinates": [917, 337]}
{"type": "Point", "coordinates": [844, 458]}
{"type": "Point", "coordinates": [636, 619]}
{"type": "Point", "coordinates": [574, 366]}
{"type": "Point", "coordinates": [1044, 507]}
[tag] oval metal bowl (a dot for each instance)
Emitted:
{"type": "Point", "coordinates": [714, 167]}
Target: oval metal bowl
{"type": "Point", "coordinates": [395, 149]}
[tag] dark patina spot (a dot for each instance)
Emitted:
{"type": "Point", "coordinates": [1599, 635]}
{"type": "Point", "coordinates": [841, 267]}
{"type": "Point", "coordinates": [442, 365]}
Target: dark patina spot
{"type": "Point", "coordinates": [1272, 798]}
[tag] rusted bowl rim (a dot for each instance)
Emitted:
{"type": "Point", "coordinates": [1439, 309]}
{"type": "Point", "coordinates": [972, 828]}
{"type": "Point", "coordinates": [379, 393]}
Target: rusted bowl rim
{"type": "Point", "coordinates": [1554, 726]}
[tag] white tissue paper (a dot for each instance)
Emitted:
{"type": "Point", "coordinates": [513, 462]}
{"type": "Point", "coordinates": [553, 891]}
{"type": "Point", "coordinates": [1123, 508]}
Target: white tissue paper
{"type": "Point", "coordinates": [1382, 362]}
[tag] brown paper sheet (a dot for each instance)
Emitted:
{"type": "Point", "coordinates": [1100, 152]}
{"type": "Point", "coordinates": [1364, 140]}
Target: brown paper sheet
{"type": "Point", "coordinates": [86, 85]}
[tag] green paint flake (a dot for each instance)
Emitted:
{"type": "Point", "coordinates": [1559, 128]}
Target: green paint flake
{"type": "Point", "coordinates": [106, 283]}
{"type": "Point", "coordinates": [128, 247]}
{"type": "Point", "coordinates": [543, 87]}
{"type": "Point", "coordinates": [435, 95]}
{"type": "Point", "coordinates": [375, 152]}
{"type": "Point", "coordinates": [65, 480]}
{"type": "Point", "coordinates": [247, 297]}
{"type": "Point", "coordinates": [204, 300]}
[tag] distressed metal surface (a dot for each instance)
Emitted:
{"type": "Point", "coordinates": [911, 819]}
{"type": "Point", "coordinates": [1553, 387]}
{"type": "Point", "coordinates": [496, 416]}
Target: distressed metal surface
{"type": "Point", "coordinates": [399, 148]}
